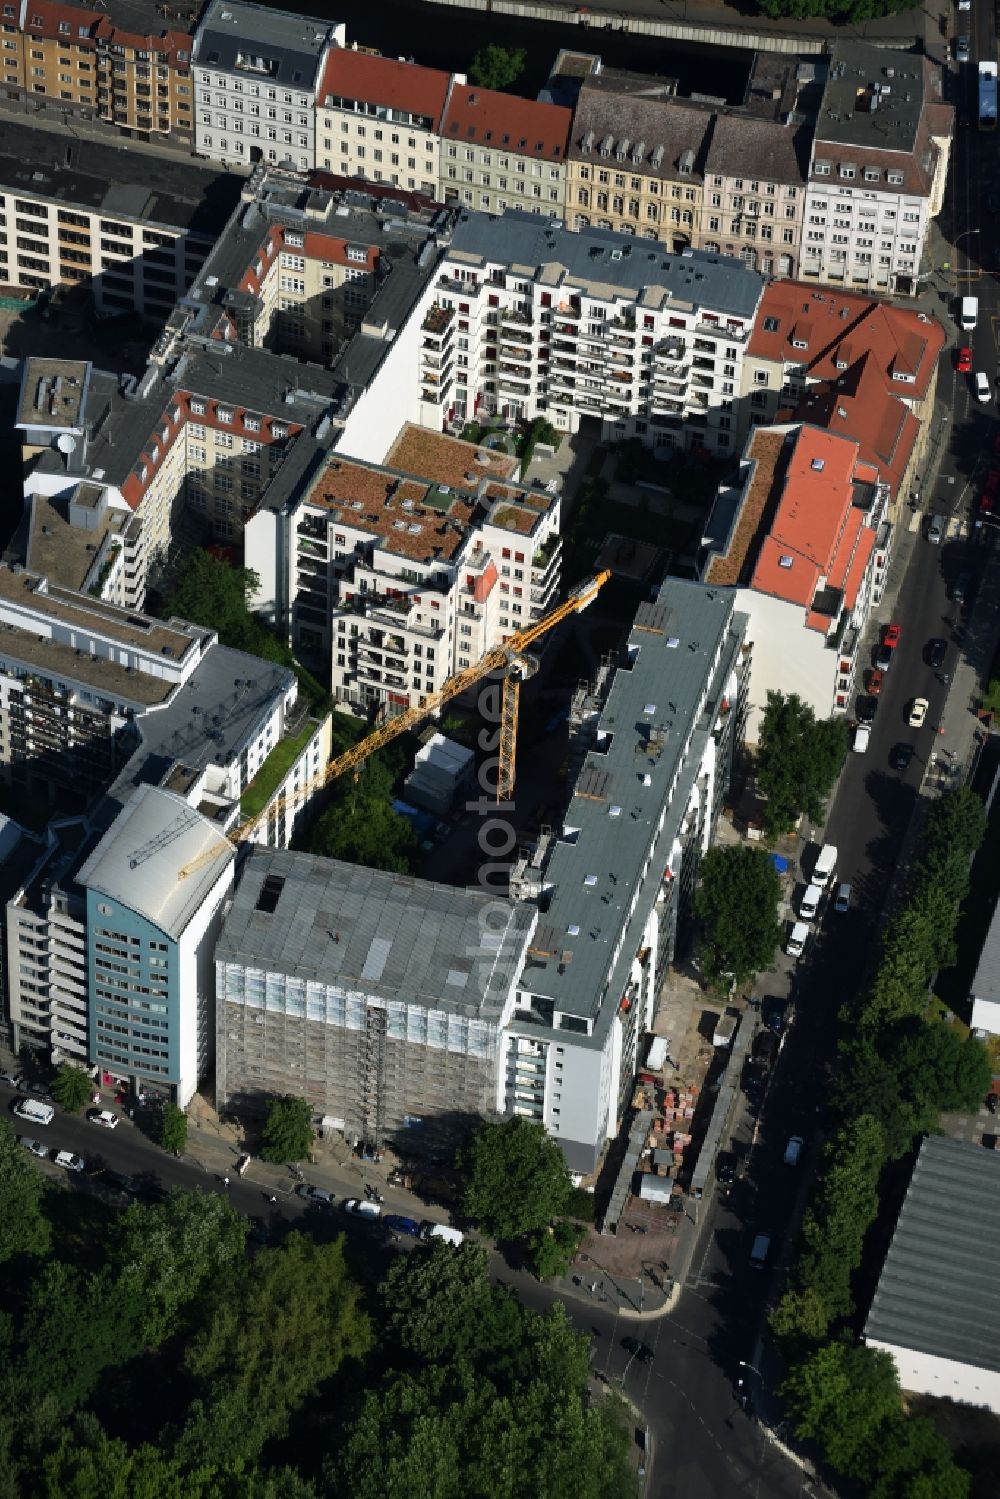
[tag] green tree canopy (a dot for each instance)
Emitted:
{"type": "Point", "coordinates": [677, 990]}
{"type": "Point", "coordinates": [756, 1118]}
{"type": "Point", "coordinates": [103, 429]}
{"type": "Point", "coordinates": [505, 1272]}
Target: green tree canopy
{"type": "Point", "coordinates": [440, 1306]}
{"type": "Point", "coordinates": [272, 1336]}
{"type": "Point", "coordinates": [908, 1459]}
{"type": "Point", "coordinates": [840, 1395]}
{"type": "Point", "coordinates": [67, 1337]}
{"type": "Point", "coordinates": [497, 67]}
{"type": "Point", "coordinates": [514, 1177]}
{"type": "Point", "coordinates": [168, 1254]}
{"type": "Point", "coordinates": [360, 824]}
{"type": "Point", "coordinates": [798, 759]}
{"type": "Point", "coordinates": [288, 1131]}
{"type": "Point", "coordinates": [71, 1088]}
{"type": "Point", "coordinates": [23, 1228]}
{"type": "Point", "coordinates": [737, 905]}
{"type": "Point", "coordinates": [173, 1129]}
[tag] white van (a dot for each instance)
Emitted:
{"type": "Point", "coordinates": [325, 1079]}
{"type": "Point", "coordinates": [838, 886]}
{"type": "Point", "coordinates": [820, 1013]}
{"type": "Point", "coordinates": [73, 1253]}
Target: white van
{"type": "Point", "coordinates": [969, 313]}
{"type": "Point", "coordinates": [442, 1231]}
{"type": "Point", "coordinates": [862, 734]}
{"type": "Point", "coordinates": [826, 864]}
{"type": "Point", "coordinates": [982, 386]}
{"type": "Point", "coordinates": [809, 904]}
{"type": "Point", "coordinates": [35, 1112]}
{"type": "Point", "coordinates": [797, 940]}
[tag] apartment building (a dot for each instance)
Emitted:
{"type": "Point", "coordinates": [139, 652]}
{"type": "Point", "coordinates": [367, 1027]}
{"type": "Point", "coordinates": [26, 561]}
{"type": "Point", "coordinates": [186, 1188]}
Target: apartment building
{"type": "Point", "coordinates": [499, 152]}
{"type": "Point", "coordinates": [402, 575]}
{"type": "Point", "coordinates": [526, 318]}
{"type": "Point", "coordinates": [615, 885]}
{"type": "Point", "coordinates": [754, 194]}
{"type": "Point", "coordinates": [852, 364]}
{"type": "Point", "coordinates": [75, 211]}
{"type": "Point", "coordinates": [804, 537]}
{"type": "Point", "coordinates": [64, 60]}
{"type": "Point", "coordinates": [877, 169]}
{"type": "Point", "coordinates": [380, 999]}
{"type": "Point", "coordinates": [257, 82]}
{"type": "Point", "coordinates": [380, 120]}
{"type": "Point", "coordinates": [636, 159]}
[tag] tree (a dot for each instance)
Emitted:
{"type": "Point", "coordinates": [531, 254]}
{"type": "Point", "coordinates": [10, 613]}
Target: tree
{"type": "Point", "coordinates": [737, 905]}
{"type": "Point", "coordinates": [71, 1088]}
{"type": "Point", "coordinates": [165, 1256]}
{"type": "Point", "coordinates": [68, 1339]}
{"type": "Point", "coordinates": [288, 1131]}
{"type": "Point", "coordinates": [270, 1340]}
{"type": "Point", "coordinates": [800, 1318]}
{"type": "Point", "coordinates": [908, 1459]}
{"type": "Point", "coordinates": [515, 1178]}
{"type": "Point", "coordinates": [209, 591]}
{"type": "Point", "coordinates": [440, 1307]}
{"type": "Point", "coordinates": [552, 1249]}
{"type": "Point", "coordinates": [173, 1129]}
{"type": "Point", "coordinates": [496, 67]}
{"type": "Point", "coordinates": [840, 1395]}
{"type": "Point", "coordinates": [798, 760]}
{"type": "Point", "coordinates": [361, 826]}
{"type": "Point", "coordinates": [23, 1229]}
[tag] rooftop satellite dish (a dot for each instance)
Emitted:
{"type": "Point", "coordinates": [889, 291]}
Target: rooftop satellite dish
{"type": "Point", "coordinates": [66, 443]}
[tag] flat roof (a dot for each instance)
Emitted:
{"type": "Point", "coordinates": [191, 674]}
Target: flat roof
{"type": "Point", "coordinates": [136, 862]}
{"type": "Point", "coordinates": [207, 719]}
{"type": "Point", "coordinates": [179, 194]}
{"type": "Point", "coordinates": [600, 257]}
{"type": "Point", "coordinates": [366, 931]}
{"type": "Point", "coordinates": [94, 617]}
{"type": "Point", "coordinates": [653, 725]}
{"type": "Point", "coordinates": [446, 460]}
{"type": "Point", "coordinates": [53, 393]}
{"type": "Point", "coordinates": [61, 552]}
{"type": "Point", "coordinates": [873, 98]}
{"type": "Point", "coordinates": [937, 1293]}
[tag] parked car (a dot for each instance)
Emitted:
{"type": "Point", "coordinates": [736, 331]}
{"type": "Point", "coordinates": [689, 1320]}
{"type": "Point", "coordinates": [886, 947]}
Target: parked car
{"type": "Point", "coordinates": [35, 1146]}
{"type": "Point", "coordinates": [901, 756]}
{"type": "Point", "coordinates": [866, 707]}
{"type": "Point", "coordinates": [891, 636]}
{"type": "Point", "coordinates": [843, 900]}
{"type": "Point", "coordinates": [962, 52]}
{"type": "Point", "coordinates": [960, 588]}
{"type": "Point", "coordinates": [104, 1117]}
{"type": "Point", "coordinates": [963, 362]}
{"type": "Point", "coordinates": [981, 386]}
{"type": "Point", "coordinates": [725, 1167]}
{"type": "Point", "coordinates": [918, 712]}
{"type": "Point", "coordinates": [397, 1224]}
{"type": "Point", "coordinates": [68, 1161]}
{"type": "Point", "coordinates": [773, 1011]}
{"type": "Point", "coordinates": [765, 1048]}
{"type": "Point", "coordinates": [935, 529]}
{"type": "Point", "coordinates": [810, 902]}
{"type": "Point", "coordinates": [876, 679]}
{"type": "Point", "coordinates": [34, 1090]}
{"type": "Point", "coordinates": [862, 737]}
{"type": "Point", "coordinates": [936, 652]}
{"type": "Point", "coordinates": [797, 939]}
{"type": "Point", "coordinates": [359, 1209]}
{"type": "Point", "coordinates": [315, 1194]}
{"type": "Point", "coordinates": [793, 1150]}
{"type": "Point", "coordinates": [638, 1350]}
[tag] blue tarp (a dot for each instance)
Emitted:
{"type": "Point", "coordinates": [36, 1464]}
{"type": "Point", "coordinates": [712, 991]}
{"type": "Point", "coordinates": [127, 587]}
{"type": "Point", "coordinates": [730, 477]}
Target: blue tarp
{"type": "Point", "coordinates": [780, 863]}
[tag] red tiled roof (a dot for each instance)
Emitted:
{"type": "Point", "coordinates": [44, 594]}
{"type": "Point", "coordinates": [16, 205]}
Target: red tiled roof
{"type": "Point", "coordinates": [484, 117]}
{"type": "Point", "coordinates": [382, 80]}
{"type": "Point", "coordinates": [42, 18]}
{"type": "Point", "coordinates": [840, 327]}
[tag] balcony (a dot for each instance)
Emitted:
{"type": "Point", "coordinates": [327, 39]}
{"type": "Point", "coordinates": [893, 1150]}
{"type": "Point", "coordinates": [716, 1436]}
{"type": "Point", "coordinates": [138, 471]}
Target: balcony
{"type": "Point", "coordinates": [438, 320]}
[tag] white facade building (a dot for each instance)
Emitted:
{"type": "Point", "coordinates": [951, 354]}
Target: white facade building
{"type": "Point", "coordinates": [524, 318]}
{"type": "Point", "coordinates": [256, 77]}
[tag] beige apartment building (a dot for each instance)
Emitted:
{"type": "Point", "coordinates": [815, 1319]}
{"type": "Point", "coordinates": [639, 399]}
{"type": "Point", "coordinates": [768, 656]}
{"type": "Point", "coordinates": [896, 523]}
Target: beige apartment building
{"type": "Point", "coordinates": [499, 152]}
{"type": "Point", "coordinates": [380, 120]}
{"type": "Point", "coordinates": [755, 189]}
{"type": "Point", "coordinates": [636, 160]}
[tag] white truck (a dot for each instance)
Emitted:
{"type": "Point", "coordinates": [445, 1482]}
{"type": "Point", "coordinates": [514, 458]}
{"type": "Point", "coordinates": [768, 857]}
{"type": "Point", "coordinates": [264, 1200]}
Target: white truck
{"type": "Point", "coordinates": [969, 313]}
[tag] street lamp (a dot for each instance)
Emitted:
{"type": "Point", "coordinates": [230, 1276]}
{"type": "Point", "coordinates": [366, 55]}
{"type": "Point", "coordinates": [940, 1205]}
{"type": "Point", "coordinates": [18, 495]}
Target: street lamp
{"type": "Point", "coordinates": [745, 1364]}
{"type": "Point", "coordinates": [965, 234]}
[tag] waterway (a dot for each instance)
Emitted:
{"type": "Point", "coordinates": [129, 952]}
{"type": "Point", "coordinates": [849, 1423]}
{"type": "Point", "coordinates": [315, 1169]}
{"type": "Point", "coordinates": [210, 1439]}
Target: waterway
{"type": "Point", "coordinates": [442, 37]}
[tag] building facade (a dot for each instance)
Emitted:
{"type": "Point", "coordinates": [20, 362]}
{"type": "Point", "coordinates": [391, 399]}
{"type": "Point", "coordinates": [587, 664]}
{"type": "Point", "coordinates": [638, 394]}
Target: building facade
{"type": "Point", "coordinates": [754, 193]}
{"type": "Point", "coordinates": [380, 120]}
{"type": "Point", "coordinates": [500, 152]}
{"type": "Point", "coordinates": [877, 169]}
{"type": "Point", "coordinates": [528, 319]}
{"type": "Point", "coordinates": [257, 83]}
{"type": "Point", "coordinates": [380, 999]}
{"type": "Point", "coordinates": [615, 885]}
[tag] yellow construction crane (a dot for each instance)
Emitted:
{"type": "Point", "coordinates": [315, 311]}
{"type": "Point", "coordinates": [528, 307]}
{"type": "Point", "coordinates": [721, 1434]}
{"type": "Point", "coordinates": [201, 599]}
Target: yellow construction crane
{"type": "Point", "coordinates": [510, 658]}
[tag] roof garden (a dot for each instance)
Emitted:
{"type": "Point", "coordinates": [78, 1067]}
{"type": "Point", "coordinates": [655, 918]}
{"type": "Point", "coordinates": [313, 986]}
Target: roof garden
{"type": "Point", "coordinates": [274, 770]}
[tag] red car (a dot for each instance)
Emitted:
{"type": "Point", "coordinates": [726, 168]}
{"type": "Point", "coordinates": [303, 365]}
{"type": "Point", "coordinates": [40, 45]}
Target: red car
{"type": "Point", "coordinates": [963, 362]}
{"type": "Point", "coordinates": [891, 637]}
{"type": "Point", "coordinates": [986, 501]}
{"type": "Point", "coordinates": [992, 482]}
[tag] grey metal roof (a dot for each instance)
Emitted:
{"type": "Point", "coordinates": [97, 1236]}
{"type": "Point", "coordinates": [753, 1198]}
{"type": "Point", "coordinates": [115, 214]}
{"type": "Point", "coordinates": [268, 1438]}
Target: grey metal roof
{"type": "Point", "coordinates": [179, 194]}
{"type": "Point", "coordinates": [599, 256]}
{"type": "Point", "coordinates": [389, 935]}
{"type": "Point", "coordinates": [986, 984]}
{"type": "Point", "coordinates": [208, 719]}
{"type": "Point", "coordinates": [939, 1292]}
{"type": "Point", "coordinates": [136, 862]}
{"type": "Point", "coordinates": [845, 114]}
{"type": "Point", "coordinates": [610, 828]}
{"type": "Point", "coordinates": [292, 44]}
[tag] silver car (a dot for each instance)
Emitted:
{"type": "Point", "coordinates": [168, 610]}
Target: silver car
{"type": "Point", "coordinates": [962, 49]}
